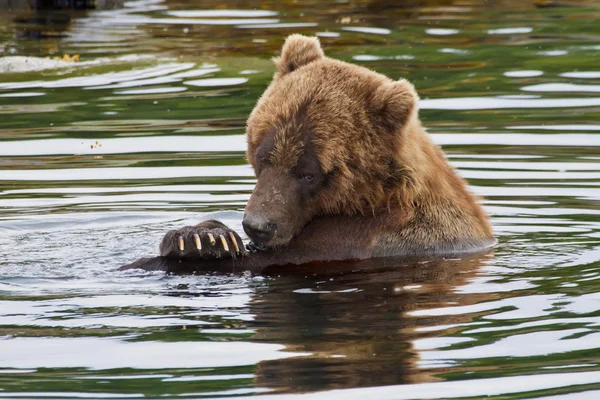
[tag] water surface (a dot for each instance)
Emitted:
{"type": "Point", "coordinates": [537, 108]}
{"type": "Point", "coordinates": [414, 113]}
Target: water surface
{"type": "Point", "coordinates": [144, 133]}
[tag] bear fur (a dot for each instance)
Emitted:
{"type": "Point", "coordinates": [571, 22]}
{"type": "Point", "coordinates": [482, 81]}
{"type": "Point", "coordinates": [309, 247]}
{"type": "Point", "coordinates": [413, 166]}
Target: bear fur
{"type": "Point", "coordinates": [344, 171]}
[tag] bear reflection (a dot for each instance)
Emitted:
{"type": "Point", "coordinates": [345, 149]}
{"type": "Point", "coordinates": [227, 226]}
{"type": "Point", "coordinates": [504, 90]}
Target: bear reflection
{"type": "Point", "coordinates": [353, 319]}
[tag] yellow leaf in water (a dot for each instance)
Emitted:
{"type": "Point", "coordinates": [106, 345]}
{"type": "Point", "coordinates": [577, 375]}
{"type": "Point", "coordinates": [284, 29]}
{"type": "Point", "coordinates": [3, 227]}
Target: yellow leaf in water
{"type": "Point", "coordinates": [69, 58]}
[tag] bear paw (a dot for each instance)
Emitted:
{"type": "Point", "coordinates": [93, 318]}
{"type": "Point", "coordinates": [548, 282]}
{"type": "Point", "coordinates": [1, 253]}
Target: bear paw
{"type": "Point", "coordinates": [255, 248]}
{"type": "Point", "coordinates": [208, 239]}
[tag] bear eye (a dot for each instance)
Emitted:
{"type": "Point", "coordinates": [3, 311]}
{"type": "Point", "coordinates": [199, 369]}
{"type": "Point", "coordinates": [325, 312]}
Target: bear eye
{"type": "Point", "coordinates": [307, 177]}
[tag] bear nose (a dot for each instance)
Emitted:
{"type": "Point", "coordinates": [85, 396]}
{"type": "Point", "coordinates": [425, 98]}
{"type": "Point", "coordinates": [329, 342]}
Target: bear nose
{"type": "Point", "coordinates": [258, 228]}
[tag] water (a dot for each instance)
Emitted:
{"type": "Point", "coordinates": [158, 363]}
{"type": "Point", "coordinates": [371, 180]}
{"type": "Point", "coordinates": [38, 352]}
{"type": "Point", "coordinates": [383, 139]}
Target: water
{"type": "Point", "coordinates": [100, 157]}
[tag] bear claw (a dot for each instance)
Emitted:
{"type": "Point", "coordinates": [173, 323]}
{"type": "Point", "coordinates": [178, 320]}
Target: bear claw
{"type": "Point", "coordinates": [235, 243]}
{"type": "Point", "coordinates": [197, 241]}
{"type": "Point", "coordinates": [212, 239]}
{"type": "Point", "coordinates": [224, 243]}
{"type": "Point", "coordinates": [255, 248]}
{"type": "Point", "coordinates": [209, 239]}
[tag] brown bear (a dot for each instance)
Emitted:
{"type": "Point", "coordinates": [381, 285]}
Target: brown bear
{"type": "Point", "coordinates": [345, 171]}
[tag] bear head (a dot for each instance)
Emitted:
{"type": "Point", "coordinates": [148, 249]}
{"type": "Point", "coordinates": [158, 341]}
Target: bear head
{"type": "Point", "coordinates": [324, 139]}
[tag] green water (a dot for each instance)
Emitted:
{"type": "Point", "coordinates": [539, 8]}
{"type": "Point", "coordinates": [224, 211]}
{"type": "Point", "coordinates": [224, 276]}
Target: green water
{"type": "Point", "coordinates": [99, 158]}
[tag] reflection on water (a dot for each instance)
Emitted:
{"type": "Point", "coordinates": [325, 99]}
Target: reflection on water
{"type": "Point", "coordinates": [355, 321]}
{"type": "Point", "coordinates": [144, 133]}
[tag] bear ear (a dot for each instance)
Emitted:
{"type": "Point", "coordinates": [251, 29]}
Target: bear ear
{"type": "Point", "coordinates": [297, 51]}
{"type": "Point", "coordinates": [393, 104]}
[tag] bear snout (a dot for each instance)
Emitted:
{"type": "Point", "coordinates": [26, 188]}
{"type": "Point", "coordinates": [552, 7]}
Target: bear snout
{"type": "Point", "coordinates": [258, 228]}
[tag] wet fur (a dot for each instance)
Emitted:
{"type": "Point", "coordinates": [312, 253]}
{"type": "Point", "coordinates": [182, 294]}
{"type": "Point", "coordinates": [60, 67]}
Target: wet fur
{"type": "Point", "coordinates": [380, 187]}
